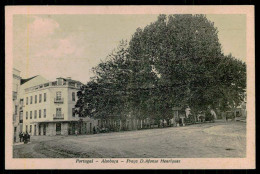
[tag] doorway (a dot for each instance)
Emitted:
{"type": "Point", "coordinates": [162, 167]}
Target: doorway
{"type": "Point", "coordinates": [44, 129]}
{"type": "Point", "coordinates": [39, 129]}
{"type": "Point", "coordinates": [15, 130]}
{"type": "Point", "coordinates": [58, 128]}
{"type": "Point", "coordinates": [35, 130]}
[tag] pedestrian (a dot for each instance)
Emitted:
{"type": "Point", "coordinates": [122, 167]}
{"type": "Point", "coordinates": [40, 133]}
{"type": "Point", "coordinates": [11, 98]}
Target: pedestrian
{"type": "Point", "coordinates": [164, 123]}
{"type": "Point", "coordinates": [213, 113]}
{"type": "Point", "coordinates": [76, 132]}
{"type": "Point", "coordinates": [20, 136]}
{"type": "Point", "coordinates": [28, 137]}
{"type": "Point", "coordinates": [25, 138]}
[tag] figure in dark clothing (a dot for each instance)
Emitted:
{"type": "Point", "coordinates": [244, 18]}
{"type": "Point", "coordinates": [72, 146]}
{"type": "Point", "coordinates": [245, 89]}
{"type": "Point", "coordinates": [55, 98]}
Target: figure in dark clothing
{"type": "Point", "coordinates": [29, 137]}
{"type": "Point", "coordinates": [25, 138]}
{"type": "Point", "coordinates": [21, 136]}
{"type": "Point", "coordinates": [94, 130]}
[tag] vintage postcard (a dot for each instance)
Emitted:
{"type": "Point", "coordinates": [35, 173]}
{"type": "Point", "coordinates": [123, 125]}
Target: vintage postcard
{"type": "Point", "coordinates": [130, 87]}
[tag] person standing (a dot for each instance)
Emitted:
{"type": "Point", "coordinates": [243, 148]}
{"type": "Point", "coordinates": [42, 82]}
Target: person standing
{"type": "Point", "coordinates": [213, 114]}
{"type": "Point", "coordinates": [29, 137]}
{"type": "Point", "coordinates": [164, 123]}
{"type": "Point", "coordinates": [25, 138]}
{"type": "Point", "coordinates": [20, 136]}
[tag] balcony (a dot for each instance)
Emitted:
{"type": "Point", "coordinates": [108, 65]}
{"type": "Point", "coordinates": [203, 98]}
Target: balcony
{"type": "Point", "coordinates": [58, 116]}
{"type": "Point", "coordinates": [58, 100]}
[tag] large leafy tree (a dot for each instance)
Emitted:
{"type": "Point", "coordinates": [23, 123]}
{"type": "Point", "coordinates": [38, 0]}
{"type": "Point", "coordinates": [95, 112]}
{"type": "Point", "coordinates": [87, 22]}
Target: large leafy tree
{"type": "Point", "coordinates": [175, 61]}
{"type": "Point", "coordinates": [105, 96]}
{"type": "Point", "coordinates": [188, 60]}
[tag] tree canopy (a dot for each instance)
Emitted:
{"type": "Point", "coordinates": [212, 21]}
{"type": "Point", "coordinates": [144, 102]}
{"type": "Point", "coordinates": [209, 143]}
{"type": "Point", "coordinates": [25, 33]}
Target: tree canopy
{"type": "Point", "coordinates": [175, 61]}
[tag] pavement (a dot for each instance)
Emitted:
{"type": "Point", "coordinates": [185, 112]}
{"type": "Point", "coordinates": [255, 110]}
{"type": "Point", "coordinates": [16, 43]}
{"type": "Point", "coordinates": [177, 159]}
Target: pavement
{"type": "Point", "coordinates": [20, 143]}
{"type": "Point", "coordinates": [207, 140]}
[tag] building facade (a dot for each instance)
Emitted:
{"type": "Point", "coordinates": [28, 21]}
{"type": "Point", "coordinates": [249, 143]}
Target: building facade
{"type": "Point", "coordinates": [49, 108]}
{"type": "Point", "coordinates": [17, 126]}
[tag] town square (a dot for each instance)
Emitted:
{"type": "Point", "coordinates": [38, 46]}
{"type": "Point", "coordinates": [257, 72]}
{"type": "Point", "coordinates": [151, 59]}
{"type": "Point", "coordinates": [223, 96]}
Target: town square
{"type": "Point", "coordinates": [129, 86]}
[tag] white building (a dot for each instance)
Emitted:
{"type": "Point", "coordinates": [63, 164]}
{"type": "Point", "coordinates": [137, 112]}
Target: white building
{"type": "Point", "coordinates": [49, 107]}
{"type": "Point", "coordinates": [16, 88]}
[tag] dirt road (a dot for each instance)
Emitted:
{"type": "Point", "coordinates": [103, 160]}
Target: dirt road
{"type": "Point", "coordinates": [195, 141]}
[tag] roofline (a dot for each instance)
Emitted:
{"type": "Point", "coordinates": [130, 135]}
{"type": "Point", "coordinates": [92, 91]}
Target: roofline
{"type": "Point", "coordinates": [16, 69]}
{"type": "Point", "coordinates": [29, 79]}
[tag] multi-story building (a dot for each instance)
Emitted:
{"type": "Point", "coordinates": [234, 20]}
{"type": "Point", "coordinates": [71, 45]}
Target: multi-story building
{"type": "Point", "coordinates": [15, 90]}
{"type": "Point", "coordinates": [49, 108]}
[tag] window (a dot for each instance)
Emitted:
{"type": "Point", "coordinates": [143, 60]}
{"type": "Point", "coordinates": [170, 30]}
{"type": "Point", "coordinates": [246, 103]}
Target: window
{"type": "Point", "coordinates": [35, 114]}
{"type": "Point", "coordinates": [21, 116]}
{"type": "Point", "coordinates": [73, 112]}
{"type": "Point", "coordinates": [58, 95]}
{"type": "Point", "coordinates": [59, 81]}
{"type": "Point", "coordinates": [15, 109]}
{"type": "Point", "coordinates": [35, 99]}
{"type": "Point", "coordinates": [26, 115]}
{"type": "Point", "coordinates": [30, 128]}
{"type": "Point", "coordinates": [40, 113]}
{"type": "Point", "coordinates": [30, 114]}
{"type": "Point", "coordinates": [31, 100]}
{"type": "Point", "coordinates": [21, 102]}
{"type": "Point", "coordinates": [44, 113]}
{"type": "Point", "coordinates": [26, 129]}
{"type": "Point", "coordinates": [14, 95]}
{"type": "Point", "coordinates": [45, 97]}
{"type": "Point", "coordinates": [14, 117]}
{"type": "Point", "coordinates": [26, 100]}
{"type": "Point", "coordinates": [58, 111]}
{"type": "Point", "coordinates": [40, 98]}
{"type": "Point", "coordinates": [73, 96]}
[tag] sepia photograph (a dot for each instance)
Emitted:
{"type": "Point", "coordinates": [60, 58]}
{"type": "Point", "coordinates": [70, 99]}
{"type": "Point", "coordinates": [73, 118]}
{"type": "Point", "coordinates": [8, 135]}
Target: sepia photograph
{"type": "Point", "coordinates": [114, 86]}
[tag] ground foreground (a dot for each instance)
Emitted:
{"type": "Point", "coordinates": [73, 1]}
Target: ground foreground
{"type": "Point", "coordinates": [208, 140]}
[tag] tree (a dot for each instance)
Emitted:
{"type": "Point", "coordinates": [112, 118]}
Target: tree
{"type": "Point", "coordinates": [175, 61]}
{"type": "Point", "coordinates": [104, 97]}
{"type": "Point", "coordinates": [190, 66]}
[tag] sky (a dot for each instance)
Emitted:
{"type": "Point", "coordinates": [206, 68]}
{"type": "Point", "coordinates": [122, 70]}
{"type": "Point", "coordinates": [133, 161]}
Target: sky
{"type": "Point", "coordinates": [70, 45]}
